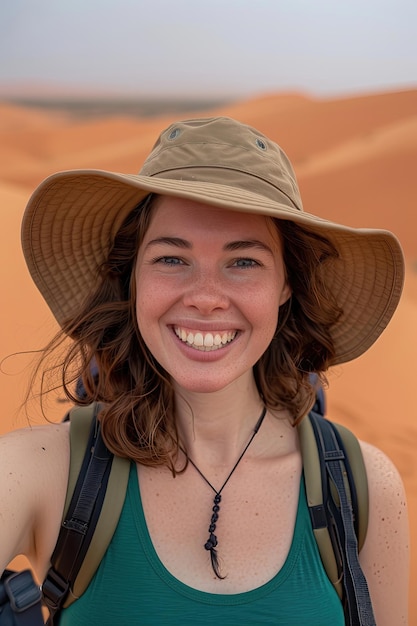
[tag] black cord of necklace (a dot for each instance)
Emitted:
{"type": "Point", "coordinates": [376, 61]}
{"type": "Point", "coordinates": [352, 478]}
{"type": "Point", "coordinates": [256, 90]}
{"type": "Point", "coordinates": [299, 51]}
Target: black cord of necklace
{"type": "Point", "coordinates": [212, 542]}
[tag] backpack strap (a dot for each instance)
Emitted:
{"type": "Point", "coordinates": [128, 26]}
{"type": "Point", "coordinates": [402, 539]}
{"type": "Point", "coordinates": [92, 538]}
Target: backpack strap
{"type": "Point", "coordinates": [95, 495]}
{"type": "Point", "coordinates": [336, 487]}
{"type": "Point", "coordinates": [113, 500]}
{"type": "Point", "coordinates": [358, 481]}
{"type": "Point", "coordinates": [313, 469]}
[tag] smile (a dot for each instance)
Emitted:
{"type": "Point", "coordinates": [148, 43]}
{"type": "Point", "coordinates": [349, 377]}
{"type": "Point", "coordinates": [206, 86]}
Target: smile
{"type": "Point", "coordinates": [205, 341]}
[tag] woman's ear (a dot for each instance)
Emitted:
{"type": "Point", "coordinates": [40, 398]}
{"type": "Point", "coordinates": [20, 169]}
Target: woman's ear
{"type": "Point", "coordinates": [286, 293]}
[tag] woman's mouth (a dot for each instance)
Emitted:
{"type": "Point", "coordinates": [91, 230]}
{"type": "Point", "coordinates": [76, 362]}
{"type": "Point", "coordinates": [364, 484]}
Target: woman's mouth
{"type": "Point", "coordinates": [203, 341]}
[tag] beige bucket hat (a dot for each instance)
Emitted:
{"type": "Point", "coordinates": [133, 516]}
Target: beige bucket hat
{"type": "Point", "coordinates": [72, 218]}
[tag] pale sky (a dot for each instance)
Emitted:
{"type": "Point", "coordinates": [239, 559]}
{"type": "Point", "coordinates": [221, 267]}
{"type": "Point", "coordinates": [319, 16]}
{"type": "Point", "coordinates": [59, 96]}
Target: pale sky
{"type": "Point", "coordinates": [210, 47]}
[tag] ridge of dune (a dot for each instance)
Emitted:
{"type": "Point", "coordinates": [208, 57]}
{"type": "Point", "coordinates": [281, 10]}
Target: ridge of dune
{"type": "Point", "coordinates": [74, 138]}
{"type": "Point", "coordinates": [396, 137]}
{"type": "Point", "coordinates": [98, 147]}
{"type": "Point", "coordinates": [125, 155]}
{"type": "Point", "coordinates": [117, 143]}
{"type": "Point", "coordinates": [317, 125]}
{"type": "Point", "coordinates": [118, 156]}
{"type": "Point", "coordinates": [253, 111]}
{"type": "Point", "coordinates": [375, 193]}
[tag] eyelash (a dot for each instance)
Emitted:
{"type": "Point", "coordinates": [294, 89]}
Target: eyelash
{"type": "Point", "coordinates": [166, 258]}
{"type": "Point", "coordinates": [248, 263]}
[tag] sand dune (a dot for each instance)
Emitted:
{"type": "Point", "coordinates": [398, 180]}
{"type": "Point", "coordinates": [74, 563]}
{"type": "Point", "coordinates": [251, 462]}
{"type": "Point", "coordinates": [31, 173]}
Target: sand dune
{"type": "Point", "coordinates": [355, 159]}
{"type": "Point", "coordinates": [26, 321]}
{"type": "Point", "coordinates": [378, 192]}
{"type": "Point", "coordinates": [395, 138]}
{"type": "Point", "coordinates": [19, 119]}
{"type": "Point", "coordinates": [305, 126]}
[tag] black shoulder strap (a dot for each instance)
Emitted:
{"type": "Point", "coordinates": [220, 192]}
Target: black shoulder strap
{"type": "Point", "coordinates": [79, 524]}
{"type": "Point", "coordinates": [335, 477]}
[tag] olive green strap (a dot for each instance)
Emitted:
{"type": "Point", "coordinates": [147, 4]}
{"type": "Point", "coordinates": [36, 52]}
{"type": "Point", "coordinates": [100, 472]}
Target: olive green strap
{"type": "Point", "coordinates": [314, 493]}
{"type": "Point", "coordinates": [313, 482]}
{"type": "Point", "coordinates": [80, 421]}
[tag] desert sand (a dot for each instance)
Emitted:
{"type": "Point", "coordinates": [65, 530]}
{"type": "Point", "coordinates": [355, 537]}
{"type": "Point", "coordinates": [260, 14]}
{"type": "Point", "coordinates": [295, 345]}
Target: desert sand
{"type": "Point", "coordinates": [355, 159]}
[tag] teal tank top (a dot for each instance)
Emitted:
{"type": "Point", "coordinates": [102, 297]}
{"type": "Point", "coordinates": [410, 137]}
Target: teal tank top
{"type": "Point", "coordinates": [133, 588]}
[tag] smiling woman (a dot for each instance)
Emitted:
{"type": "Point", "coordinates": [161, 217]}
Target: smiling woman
{"type": "Point", "coordinates": [208, 291]}
{"type": "Point", "coordinates": [208, 301]}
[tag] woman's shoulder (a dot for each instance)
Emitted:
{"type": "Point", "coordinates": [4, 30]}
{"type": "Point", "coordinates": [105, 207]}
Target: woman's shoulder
{"type": "Point", "coordinates": [42, 445]}
{"type": "Point", "coordinates": [383, 477]}
{"type": "Point", "coordinates": [34, 463]}
{"type": "Point", "coordinates": [387, 497]}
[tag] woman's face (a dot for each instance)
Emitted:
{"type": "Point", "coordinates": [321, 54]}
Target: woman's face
{"type": "Point", "coordinates": [209, 284]}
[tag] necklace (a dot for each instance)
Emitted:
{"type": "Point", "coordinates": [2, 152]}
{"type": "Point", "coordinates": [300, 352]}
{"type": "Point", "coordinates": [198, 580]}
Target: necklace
{"type": "Point", "coordinates": [212, 542]}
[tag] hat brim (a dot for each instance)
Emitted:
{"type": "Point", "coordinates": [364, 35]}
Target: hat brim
{"type": "Point", "coordinates": [72, 218]}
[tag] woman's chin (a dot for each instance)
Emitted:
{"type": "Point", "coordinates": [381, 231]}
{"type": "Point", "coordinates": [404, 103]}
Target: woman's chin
{"type": "Point", "coordinates": [214, 383]}
{"type": "Point", "coordinates": [201, 387]}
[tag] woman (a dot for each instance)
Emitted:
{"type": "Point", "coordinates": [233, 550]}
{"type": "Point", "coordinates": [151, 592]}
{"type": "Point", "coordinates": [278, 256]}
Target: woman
{"type": "Point", "coordinates": [206, 298]}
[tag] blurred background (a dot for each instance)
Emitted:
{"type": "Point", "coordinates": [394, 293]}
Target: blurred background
{"type": "Point", "coordinates": [89, 84]}
{"type": "Point", "coordinates": [214, 49]}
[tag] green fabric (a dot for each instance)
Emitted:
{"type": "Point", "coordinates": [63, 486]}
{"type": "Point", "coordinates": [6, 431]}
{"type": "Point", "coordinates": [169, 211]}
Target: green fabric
{"type": "Point", "coordinates": [132, 587]}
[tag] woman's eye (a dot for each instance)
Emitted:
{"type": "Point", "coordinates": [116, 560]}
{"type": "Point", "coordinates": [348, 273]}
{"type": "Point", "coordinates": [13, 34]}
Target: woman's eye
{"type": "Point", "coordinates": [244, 263]}
{"type": "Point", "coordinates": [168, 260]}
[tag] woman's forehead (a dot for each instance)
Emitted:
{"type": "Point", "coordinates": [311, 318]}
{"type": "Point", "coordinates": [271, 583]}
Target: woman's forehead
{"type": "Point", "coordinates": [174, 213]}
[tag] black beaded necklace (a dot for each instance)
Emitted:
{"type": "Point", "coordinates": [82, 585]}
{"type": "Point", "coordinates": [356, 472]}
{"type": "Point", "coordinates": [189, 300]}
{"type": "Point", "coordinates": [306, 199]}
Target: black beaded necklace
{"type": "Point", "coordinates": [211, 542]}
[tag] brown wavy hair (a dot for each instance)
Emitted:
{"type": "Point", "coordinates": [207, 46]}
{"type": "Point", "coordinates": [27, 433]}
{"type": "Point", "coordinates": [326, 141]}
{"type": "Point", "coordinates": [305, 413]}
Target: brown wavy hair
{"type": "Point", "coordinates": [138, 420]}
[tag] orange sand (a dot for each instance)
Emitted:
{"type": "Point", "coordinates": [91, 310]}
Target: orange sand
{"type": "Point", "coordinates": [355, 159]}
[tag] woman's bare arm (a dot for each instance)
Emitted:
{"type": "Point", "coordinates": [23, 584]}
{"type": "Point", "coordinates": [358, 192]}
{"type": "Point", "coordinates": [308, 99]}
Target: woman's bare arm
{"type": "Point", "coordinates": [385, 555]}
{"type": "Point", "coordinates": [34, 473]}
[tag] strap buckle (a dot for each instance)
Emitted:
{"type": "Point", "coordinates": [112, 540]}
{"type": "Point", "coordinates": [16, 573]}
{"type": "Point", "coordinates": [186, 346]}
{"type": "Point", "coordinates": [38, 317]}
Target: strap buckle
{"type": "Point", "coordinates": [22, 591]}
{"type": "Point", "coordinates": [54, 589]}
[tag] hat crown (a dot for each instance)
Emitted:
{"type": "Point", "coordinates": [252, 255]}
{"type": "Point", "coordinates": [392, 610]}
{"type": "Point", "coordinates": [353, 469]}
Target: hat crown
{"type": "Point", "coordinates": [223, 151]}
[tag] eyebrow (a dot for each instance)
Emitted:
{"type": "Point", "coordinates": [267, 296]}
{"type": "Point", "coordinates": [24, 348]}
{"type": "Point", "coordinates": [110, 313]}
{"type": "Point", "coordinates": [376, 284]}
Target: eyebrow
{"type": "Point", "coordinates": [177, 242]}
{"type": "Point", "coordinates": [245, 244]}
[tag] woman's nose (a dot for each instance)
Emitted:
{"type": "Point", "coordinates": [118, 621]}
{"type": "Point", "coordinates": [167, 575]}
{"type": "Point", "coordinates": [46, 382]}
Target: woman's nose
{"type": "Point", "coordinates": [206, 291]}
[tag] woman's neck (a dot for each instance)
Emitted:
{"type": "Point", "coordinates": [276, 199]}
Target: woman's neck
{"type": "Point", "coordinates": [217, 425]}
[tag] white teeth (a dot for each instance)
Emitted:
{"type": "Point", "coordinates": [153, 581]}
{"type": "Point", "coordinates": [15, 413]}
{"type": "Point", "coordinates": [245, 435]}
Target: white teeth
{"type": "Point", "coordinates": [205, 342]}
{"type": "Point", "coordinates": [198, 340]}
{"type": "Point", "coordinates": [209, 340]}
{"type": "Point", "coordinates": [217, 340]}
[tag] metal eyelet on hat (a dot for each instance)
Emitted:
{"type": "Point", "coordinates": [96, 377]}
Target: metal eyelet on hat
{"type": "Point", "coordinates": [261, 144]}
{"type": "Point", "coordinates": [174, 133]}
